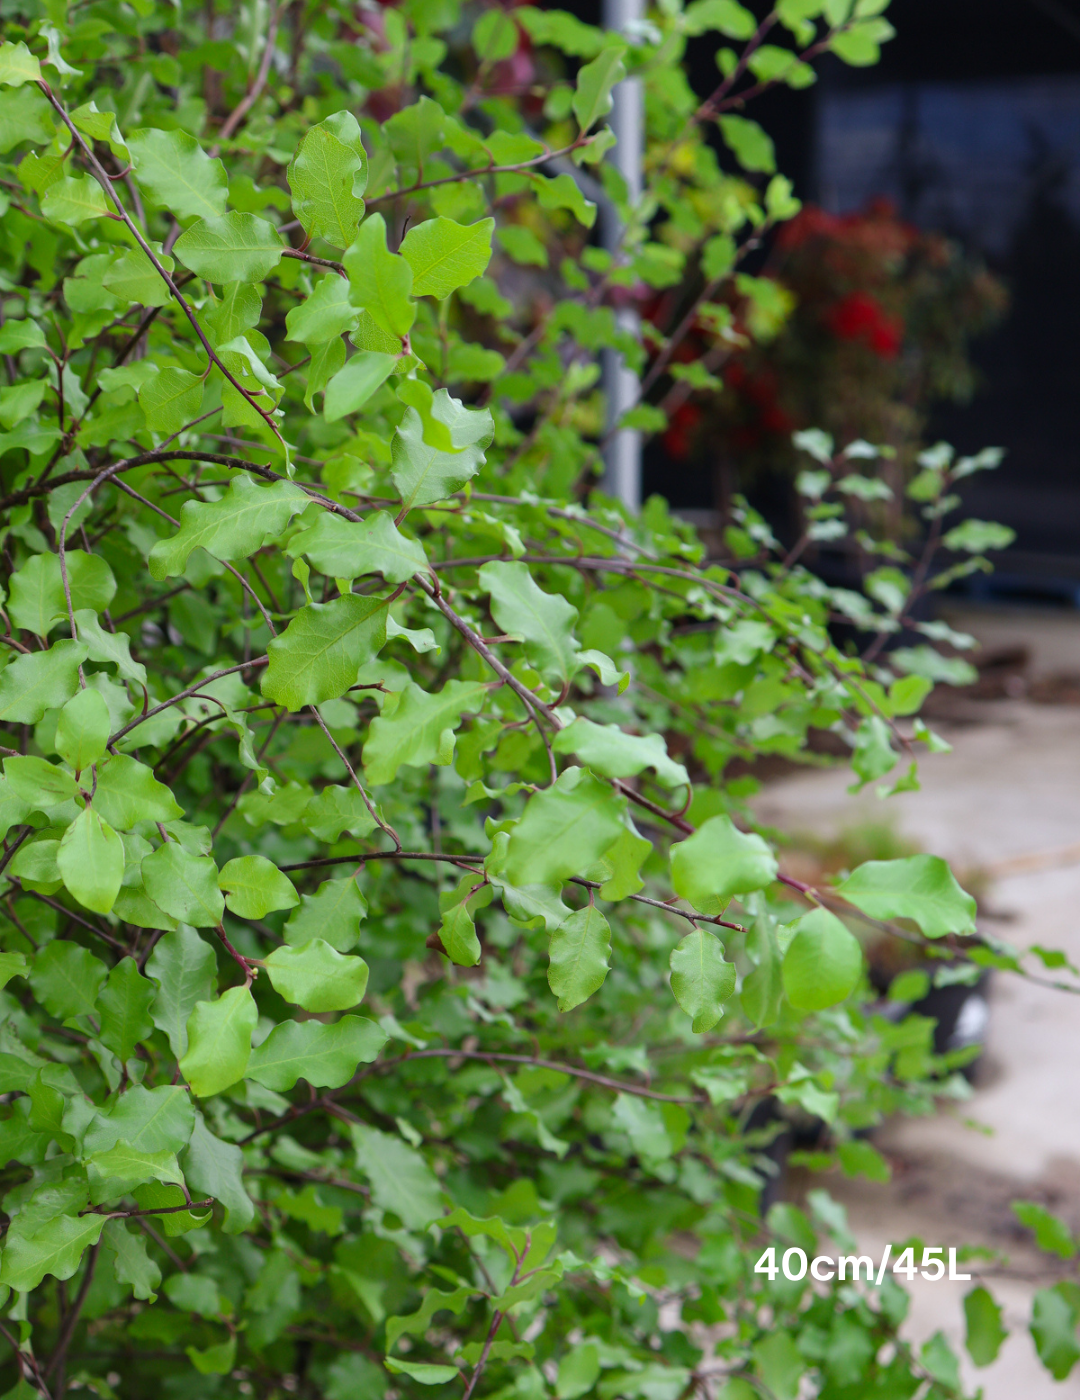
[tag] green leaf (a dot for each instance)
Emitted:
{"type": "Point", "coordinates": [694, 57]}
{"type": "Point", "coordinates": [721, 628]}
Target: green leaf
{"type": "Point", "coordinates": [108, 647]}
{"type": "Point", "coordinates": [37, 590]}
{"type": "Point", "coordinates": [236, 526]}
{"type": "Point", "coordinates": [985, 1332]}
{"type": "Point", "coordinates": [317, 977]}
{"type": "Point", "coordinates": [522, 245]}
{"type": "Point", "coordinates": [66, 979]}
{"type": "Point", "coordinates": [232, 248]}
{"type": "Point", "coordinates": [563, 192]}
{"type": "Point", "coordinates": [115, 1172]}
{"type": "Point", "coordinates": [726, 16]}
{"type": "Point", "coordinates": [124, 1006]}
{"type": "Point", "coordinates": [217, 1360]}
{"type": "Point", "coordinates": [977, 536]}
{"type": "Point", "coordinates": [349, 390]}
{"type": "Point", "coordinates": [779, 1363]}
{"type": "Point", "coordinates": [435, 1300]}
{"type": "Point", "coordinates": [18, 65]}
{"type": "Point", "coordinates": [325, 315]}
{"type": "Point", "coordinates": [184, 967]}
{"type": "Point", "coordinates": [337, 809]}
{"type": "Point", "coordinates": [873, 755]}
{"type": "Point", "coordinates": [718, 862]}
{"type": "Point", "coordinates": [565, 829]}
{"type": "Point", "coordinates": [423, 1372]}
{"type": "Point", "coordinates": [148, 1120]}
{"type": "Point", "coordinates": [421, 729]}
{"type": "Point", "coordinates": [20, 335]}
{"type": "Point", "coordinates": [424, 474]}
{"type": "Point", "coordinates": [320, 653]}
{"type": "Point", "coordinates": [174, 171]}
{"type": "Point", "coordinates": [545, 621]}
{"type": "Point", "coordinates": [1051, 1232]}
{"type": "Point", "coordinates": [751, 147]}
{"type": "Point", "coordinates": [860, 46]}
{"type": "Point", "coordinates": [216, 1168]}
{"type": "Point", "coordinates": [333, 913]}
{"type": "Point", "coordinates": [607, 749]}
{"type": "Point", "coordinates": [578, 957]}
{"type": "Point", "coordinates": [620, 866]}
{"type": "Point", "coordinates": [131, 1263]}
{"type": "Point", "coordinates": [823, 962]}
{"type": "Point", "coordinates": [349, 549]}
{"type": "Point", "coordinates": [327, 177]}
{"type": "Point", "coordinates": [1053, 1326]}
{"type": "Point", "coordinates": [457, 932]}
{"type": "Point", "coordinates": [326, 1056]}
{"type": "Point", "coordinates": [12, 965]}
{"type": "Point", "coordinates": [128, 793]}
{"type": "Point", "coordinates": [592, 95]}
{"type": "Point", "coordinates": [39, 783]}
{"type": "Point", "coordinates": [401, 1181]}
{"type": "Point", "coordinates": [254, 886]}
{"type": "Point", "coordinates": [700, 978]}
{"type": "Point", "coordinates": [73, 200]}
{"type": "Point", "coordinates": [219, 1042]}
{"type": "Point", "coordinates": [921, 888]}
{"type": "Point", "coordinates": [91, 861]}
{"type": "Point", "coordinates": [171, 399]}
{"type": "Point", "coordinates": [763, 989]}
{"type": "Point", "coordinates": [457, 929]}
{"type": "Point", "coordinates": [40, 681]}
{"type": "Point", "coordinates": [195, 1293]}
{"type": "Point", "coordinates": [184, 885]}
{"type": "Point", "coordinates": [133, 277]}
{"type": "Point", "coordinates": [57, 1249]}
{"type": "Point", "coordinates": [82, 729]}
{"type": "Point", "coordinates": [380, 281]}
{"type": "Point", "coordinates": [445, 255]}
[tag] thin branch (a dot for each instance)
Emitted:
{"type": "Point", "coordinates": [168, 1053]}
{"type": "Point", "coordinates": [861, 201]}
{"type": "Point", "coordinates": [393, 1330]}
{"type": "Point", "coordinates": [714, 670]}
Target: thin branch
{"type": "Point", "coordinates": [185, 695]}
{"type": "Point", "coordinates": [475, 174]}
{"type": "Point", "coordinates": [106, 184]}
{"type": "Point", "coordinates": [255, 92]}
{"type": "Point", "coordinates": [56, 1361]}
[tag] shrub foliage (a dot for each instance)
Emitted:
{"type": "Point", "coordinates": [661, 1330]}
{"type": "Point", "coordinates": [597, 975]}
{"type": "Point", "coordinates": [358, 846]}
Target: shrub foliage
{"type": "Point", "coordinates": [400, 996]}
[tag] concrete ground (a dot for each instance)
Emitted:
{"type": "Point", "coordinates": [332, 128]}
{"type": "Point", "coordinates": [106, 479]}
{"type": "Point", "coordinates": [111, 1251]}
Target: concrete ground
{"type": "Point", "coordinates": [1006, 801]}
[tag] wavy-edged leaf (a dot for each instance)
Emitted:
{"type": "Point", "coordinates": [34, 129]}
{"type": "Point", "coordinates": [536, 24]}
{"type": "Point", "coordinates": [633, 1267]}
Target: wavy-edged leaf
{"type": "Point", "coordinates": [328, 176]}
{"type": "Point", "coordinates": [234, 527]}
{"type": "Point", "coordinates": [700, 978]}
{"type": "Point", "coordinates": [232, 248]}
{"type": "Point", "coordinates": [445, 255]}
{"type": "Point", "coordinates": [326, 1056]}
{"type": "Point", "coordinates": [316, 976]}
{"type": "Point", "coordinates": [219, 1042]}
{"type": "Point", "coordinates": [421, 729]}
{"type": "Point", "coordinates": [177, 174]}
{"type": "Point", "coordinates": [578, 956]}
{"type": "Point", "coordinates": [320, 653]}
{"type": "Point", "coordinates": [544, 621]}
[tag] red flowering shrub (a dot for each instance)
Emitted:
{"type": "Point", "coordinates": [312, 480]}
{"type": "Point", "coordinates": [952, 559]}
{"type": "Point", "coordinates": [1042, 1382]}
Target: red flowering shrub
{"type": "Point", "coordinates": [873, 320]}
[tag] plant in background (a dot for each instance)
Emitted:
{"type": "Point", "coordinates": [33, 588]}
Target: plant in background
{"type": "Point", "coordinates": [871, 329]}
{"type": "Point", "coordinates": [391, 972]}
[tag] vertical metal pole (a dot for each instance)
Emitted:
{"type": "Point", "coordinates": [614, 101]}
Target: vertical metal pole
{"type": "Point", "coordinates": [622, 458]}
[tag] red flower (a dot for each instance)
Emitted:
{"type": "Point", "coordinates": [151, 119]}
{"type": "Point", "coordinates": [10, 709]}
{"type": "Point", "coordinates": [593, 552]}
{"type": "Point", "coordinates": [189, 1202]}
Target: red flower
{"type": "Point", "coordinates": [678, 439]}
{"type": "Point", "coordinates": [859, 316]}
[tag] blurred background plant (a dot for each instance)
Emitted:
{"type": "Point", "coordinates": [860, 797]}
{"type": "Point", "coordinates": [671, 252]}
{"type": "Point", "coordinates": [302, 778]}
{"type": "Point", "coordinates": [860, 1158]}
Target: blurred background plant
{"type": "Point", "coordinates": [869, 325]}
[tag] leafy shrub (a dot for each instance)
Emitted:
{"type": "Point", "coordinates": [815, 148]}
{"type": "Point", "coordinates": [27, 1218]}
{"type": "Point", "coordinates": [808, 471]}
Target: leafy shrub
{"type": "Point", "coordinates": [324, 690]}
